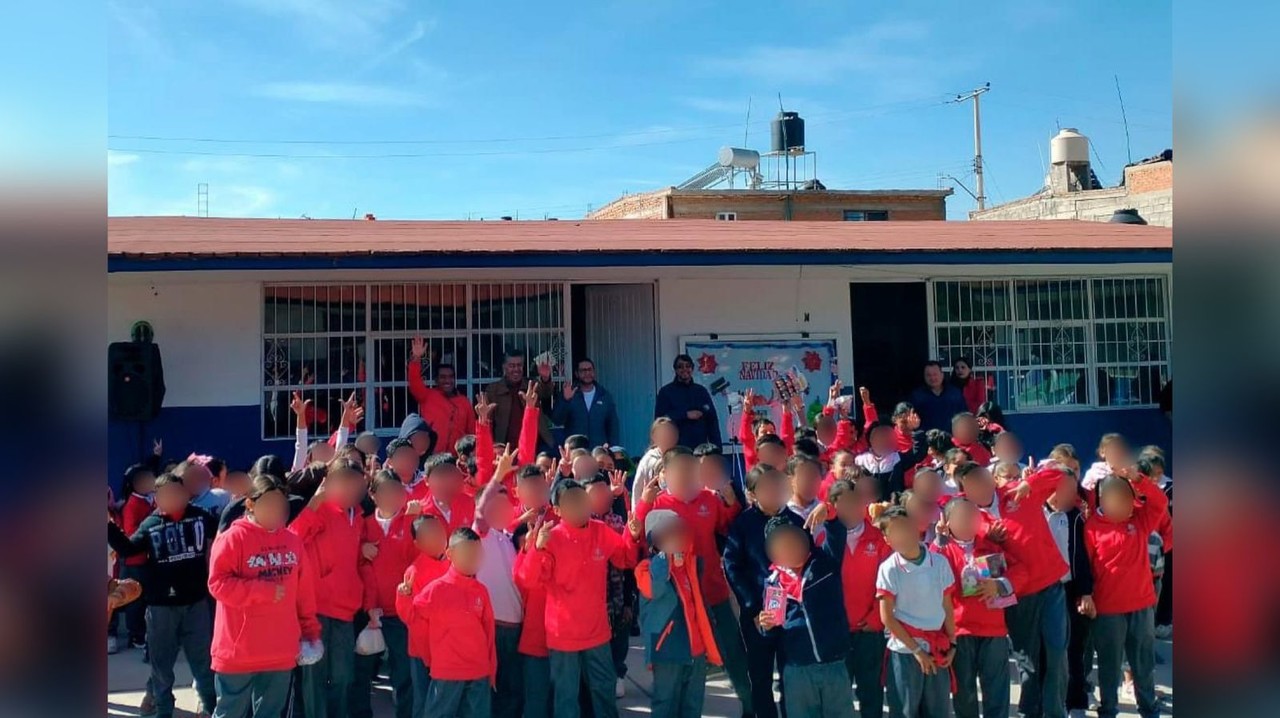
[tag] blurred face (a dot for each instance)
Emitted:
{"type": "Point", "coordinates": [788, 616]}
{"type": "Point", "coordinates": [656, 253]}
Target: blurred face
{"type": "Point", "coordinates": [903, 536]}
{"type": "Point", "coordinates": [771, 492]}
{"type": "Point", "coordinates": [1008, 448]}
{"type": "Point", "coordinates": [1065, 495]}
{"type": "Point", "coordinates": [466, 557]}
{"type": "Point", "coordinates": [445, 482]}
{"type": "Point", "coordinates": [586, 373]}
{"type": "Point", "coordinates": [925, 514]}
{"type": "Point", "coordinates": [963, 521]}
{"type": "Point", "coordinates": [962, 370]}
{"type": "Point", "coordinates": [673, 540]}
{"type": "Point", "coordinates": [928, 486]}
{"type": "Point", "coordinates": [684, 371]}
{"type": "Point", "coordinates": [788, 549]}
{"type": "Point", "coordinates": [270, 511]}
{"type": "Point", "coordinates": [868, 490]}
{"type": "Point", "coordinates": [532, 492]}
{"type": "Point", "coordinates": [197, 479]}
{"type": "Point", "coordinates": [805, 482]}
{"type": "Point", "coordinates": [826, 431]}
{"type": "Point", "coordinates": [711, 472]}
{"type": "Point", "coordinates": [1006, 473]}
{"type": "Point", "coordinates": [172, 498]}
{"type": "Point", "coordinates": [960, 458]}
{"type": "Point", "coordinates": [1116, 502]}
{"type": "Point", "coordinates": [665, 437]}
{"type": "Point", "coordinates": [1115, 454]}
{"type": "Point", "coordinates": [851, 508]}
{"type": "Point", "coordinates": [574, 508]}
{"type": "Point", "coordinates": [498, 511]}
{"type": "Point", "coordinates": [144, 483]}
{"type": "Point", "coordinates": [584, 467]}
{"type": "Point", "coordinates": [390, 498]}
{"type": "Point", "coordinates": [933, 377]}
{"type": "Point", "coordinates": [600, 496]}
{"type": "Point", "coordinates": [404, 462]}
{"type": "Point", "coordinates": [513, 370]}
{"type": "Point", "coordinates": [881, 440]}
{"type": "Point", "coordinates": [773, 455]}
{"type": "Point", "coordinates": [369, 444]}
{"type": "Point", "coordinates": [421, 442]}
{"type": "Point", "coordinates": [680, 476]}
{"type": "Point", "coordinates": [322, 453]}
{"type": "Point", "coordinates": [965, 430]}
{"type": "Point", "coordinates": [346, 487]}
{"type": "Point", "coordinates": [237, 484]}
{"type": "Point", "coordinates": [446, 380]}
{"type": "Point", "coordinates": [979, 486]}
{"type": "Point", "coordinates": [431, 539]}
{"type": "Point", "coordinates": [841, 462]}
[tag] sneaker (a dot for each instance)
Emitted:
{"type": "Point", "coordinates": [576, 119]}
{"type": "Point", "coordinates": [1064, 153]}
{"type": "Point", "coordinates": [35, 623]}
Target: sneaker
{"type": "Point", "coordinates": [148, 705]}
{"type": "Point", "coordinates": [1164, 633]}
{"type": "Point", "coordinates": [1126, 693]}
{"type": "Point", "coordinates": [113, 646]}
{"type": "Point", "coordinates": [620, 688]}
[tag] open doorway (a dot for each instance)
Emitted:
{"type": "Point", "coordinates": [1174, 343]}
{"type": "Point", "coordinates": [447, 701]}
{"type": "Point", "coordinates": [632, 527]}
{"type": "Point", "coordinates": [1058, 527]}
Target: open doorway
{"type": "Point", "coordinates": [615, 325]}
{"type": "Point", "coordinates": [890, 339]}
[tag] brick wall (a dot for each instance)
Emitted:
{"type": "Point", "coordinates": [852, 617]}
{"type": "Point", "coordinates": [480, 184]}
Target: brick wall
{"type": "Point", "coordinates": [805, 206]}
{"type": "Point", "coordinates": [1149, 178]}
{"type": "Point", "coordinates": [1155, 206]}
{"type": "Point", "coordinates": [648, 205]}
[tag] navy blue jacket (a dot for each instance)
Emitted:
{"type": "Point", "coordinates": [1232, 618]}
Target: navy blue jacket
{"type": "Point", "coordinates": [816, 629]}
{"type": "Point", "coordinates": [746, 565]}
{"type": "Point", "coordinates": [676, 400]}
{"type": "Point", "coordinates": [599, 424]}
{"type": "Point", "coordinates": [937, 410]}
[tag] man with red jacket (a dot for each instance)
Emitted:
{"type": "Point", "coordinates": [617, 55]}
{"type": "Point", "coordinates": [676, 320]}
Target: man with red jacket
{"type": "Point", "coordinates": [448, 412]}
{"type": "Point", "coordinates": [1013, 516]}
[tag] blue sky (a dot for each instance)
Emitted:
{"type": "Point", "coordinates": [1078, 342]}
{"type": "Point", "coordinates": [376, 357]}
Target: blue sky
{"type": "Point", "coordinates": [546, 108]}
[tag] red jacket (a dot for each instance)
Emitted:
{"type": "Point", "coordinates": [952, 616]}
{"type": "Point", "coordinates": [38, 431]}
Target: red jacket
{"type": "Point", "coordinates": [573, 567]}
{"type": "Point", "coordinates": [526, 451]}
{"type": "Point", "coordinates": [980, 454]}
{"type": "Point", "coordinates": [462, 511]}
{"type": "Point", "coordinates": [975, 392]}
{"type": "Point", "coordinates": [458, 618]}
{"type": "Point", "coordinates": [1033, 557]}
{"type": "Point", "coordinates": [533, 632]}
{"type": "Point", "coordinates": [252, 631]}
{"type": "Point", "coordinates": [419, 575]}
{"type": "Point", "coordinates": [332, 539]}
{"type": "Point", "coordinates": [706, 516]}
{"type": "Point", "coordinates": [858, 567]}
{"type": "Point", "coordinates": [1117, 551]}
{"type": "Point", "coordinates": [136, 508]}
{"type": "Point", "coordinates": [747, 435]}
{"type": "Point", "coordinates": [451, 417]}
{"type": "Point", "coordinates": [381, 576]}
{"type": "Point", "coordinates": [973, 616]}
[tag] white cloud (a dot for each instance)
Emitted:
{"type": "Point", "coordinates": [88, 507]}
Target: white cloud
{"type": "Point", "coordinates": [345, 93]}
{"type": "Point", "coordinates": [120, 159]}
{"type": "Point", "coordinates": [332, 23]}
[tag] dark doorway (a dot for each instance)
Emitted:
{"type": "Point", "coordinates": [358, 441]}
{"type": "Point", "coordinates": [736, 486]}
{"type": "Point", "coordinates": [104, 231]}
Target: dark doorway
{"type": "Point", "coordinates": [890, 339]}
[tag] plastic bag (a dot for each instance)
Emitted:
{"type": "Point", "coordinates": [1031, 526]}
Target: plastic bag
{"type": "Point", "coordinates": [310, 653]}
{"type": "Point", "coordinates": [370, 642]}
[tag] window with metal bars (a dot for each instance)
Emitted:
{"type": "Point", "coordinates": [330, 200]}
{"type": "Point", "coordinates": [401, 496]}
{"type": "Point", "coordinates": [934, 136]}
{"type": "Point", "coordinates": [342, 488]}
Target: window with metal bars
{"type": "Point", "coordinates": [1043, 344]}
{"type": "Point", "coordinates": [331, 340]}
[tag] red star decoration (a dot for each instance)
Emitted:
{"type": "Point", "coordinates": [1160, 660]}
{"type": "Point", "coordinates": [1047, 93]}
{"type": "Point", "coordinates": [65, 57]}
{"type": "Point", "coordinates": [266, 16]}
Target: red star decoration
{"type": "Point", "coordinates": [707, 363]}
{"type": "Point", "coordinates": [812, 361]}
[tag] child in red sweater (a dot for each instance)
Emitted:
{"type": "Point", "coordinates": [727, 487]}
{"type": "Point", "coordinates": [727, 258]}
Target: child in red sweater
{"type": "Point", "coordinates": [445, 497]}
{"type": "Point", "coordinates": [261, 580]}
{"type": "Point", "coordinates": [964, 434]}
{"type": "Point", "coordinates": [139, 491]}
{"type": "Point", "coordinates": [431, 563]}
{"type": "Point", "coordinates": [533, 632]}
{"type": "Point", "coordinates": [982, 640]}
{"type": "Point", "coordinates": [458, 617]}
{"type": "Point", "coordinates": [1115, 538]}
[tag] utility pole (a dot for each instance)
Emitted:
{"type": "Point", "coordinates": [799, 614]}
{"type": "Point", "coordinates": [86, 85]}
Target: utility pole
{"type": "Point", "coordinates": [977, 140]}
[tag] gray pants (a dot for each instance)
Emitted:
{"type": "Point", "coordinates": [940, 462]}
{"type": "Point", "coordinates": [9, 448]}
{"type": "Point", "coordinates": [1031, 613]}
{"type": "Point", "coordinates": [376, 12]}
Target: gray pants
{"type": "Point", "coordinates": [567, 672]}
{"type": "Point", "coordinates": [1116, 637]}
{"type": "Point", "coordinates": [185, 628]}
{"type": "Point", "coordinates": [865, 664]}
{"type": "Point", "coordinates": [537, 687]}
{"type": "Point", "coordinates": [820, 689]}
{"type": "Point", "coordinates": [460, 699]}
{"type": "Point", "coordinates": [325, 684]}
{"type": "Point", "coordinates": [509, 700]}
{"type": "Point", "coordinates": [985, 661]}
{"type": "Point", "coordinates": [919, 695]}
{"type": "Point", "coordinates": [1038, 632]}
{"type": "Point", "coordinates": [260, 695]}
{"type": "Point", "coordinates": [724, 625]}
{"type": "Point", "coordinates": [679, 689]}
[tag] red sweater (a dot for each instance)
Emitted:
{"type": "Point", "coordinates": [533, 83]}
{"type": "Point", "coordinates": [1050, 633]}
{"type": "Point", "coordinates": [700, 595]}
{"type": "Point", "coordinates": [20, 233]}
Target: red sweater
{"type": "Point", "coordinates": [533, 632]}
{"type": "Point", "coordinates": [526, 451]}
{"type": "Point", "coordinates": [747, 435]}
{"type": "Point", "coordinates": [419, 575]}
{"type": "Point", "coordinates": [1117, 551]}
{"type": "Point", "coordinates": [451, 417]}
{"type": "Point", "coordinates": [462, 511]}
{"type": "Point", "coordinates": [252, 631]}
{"type": "Point", "coordinates": [706, 516]}
{"type": "Point", "coordinates": [980, 454]}
{"type": "Point", "coordinates": [573, 567]}
{"type": "Point", "coordinates": [458, 619]}
{"type": "Point", "coordinates": [332, 539]}
{"type": "Point", "coordinates": [858, 568]}
{"type": "Point", "coordinates": [381, 576]}
{"type": "Point", "coordinates": [136, 508]}
{"type": "Point", "coordinates": [973, 616]}
{"type": "Point", "coordinates": [1033, 557]}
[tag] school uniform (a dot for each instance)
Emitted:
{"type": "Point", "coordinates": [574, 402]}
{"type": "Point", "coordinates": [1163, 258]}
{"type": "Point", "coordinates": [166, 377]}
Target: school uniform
{"type": "Point", "coordinates": [175, 585]}
{"type": "Point", "coordinates": [419, 575]}
{"type": "Point", "coordinates": [919, 589]}
{"type": "Point", "coordinates": [533, 636]}
{"type": "Point", "coordinates": [573, 565]}
{"type": "Point", "coordinates": [459, 621]}
{"type": "Point", "coordinates": [460, 513]}
{"type": "Point", "coordinates": [857, 553]}
{"type": "Point", "coordinates": [497, 575]}
{"type": "Point", "coordinates": [889, 471]}
{"type": "Point", "coordinates": [982, 639]}
{"type": "Point", "coordinates": [135, 510]}
{"type": "Point", "coordinates": [746, 565]}
{"type": "Point", "coordinates": [380, 578]}
{"type": "Point", "coordinates": [332, 538]}
{"type": "Point", "coordinates": [976, 450]}
{"type": "Point", "coordinates": [814, 640]}
{"type": "Point", "coordinates": [1125, 597]}
{"type": "Point", "coordinates": [1068, 533]}
{"type": "Point", "coordinates": [256, 637]}
{"type": "Point", "coordinates": [677, 634]}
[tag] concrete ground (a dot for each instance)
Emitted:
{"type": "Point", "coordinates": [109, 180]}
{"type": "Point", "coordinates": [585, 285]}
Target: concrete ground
{"type": "Point", "coordinates": [127, 675]}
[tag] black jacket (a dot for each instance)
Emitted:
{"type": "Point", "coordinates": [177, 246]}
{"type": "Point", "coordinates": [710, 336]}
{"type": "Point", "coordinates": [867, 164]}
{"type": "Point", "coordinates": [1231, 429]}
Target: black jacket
{"type": "Point", "coordinates": [1081, 583]}
{"type": "Point", "coordinates": [676, 400]}
{"type": "Point", "coordinates": [746, 564]}
{"type": "Point", "coordinates": [817, 628]}
{"type": "Point", "coordinates": [177, 569]}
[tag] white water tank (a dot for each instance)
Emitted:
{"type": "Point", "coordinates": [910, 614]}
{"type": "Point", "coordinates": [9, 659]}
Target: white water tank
{"type": "Point", "coordinates": [739, 158]}
{"type": "Point", "coordinates": [1069, 147]}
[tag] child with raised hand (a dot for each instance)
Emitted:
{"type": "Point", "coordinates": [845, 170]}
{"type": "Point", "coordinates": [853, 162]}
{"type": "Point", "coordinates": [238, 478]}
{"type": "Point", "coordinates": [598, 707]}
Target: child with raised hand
{"type": "Point", "coordinates": [858, 548]}
{"type": "Point", "coordinates": [572, 556]}
{"type": "Point", "coordinates": [445, 497]}
{"type": "Point", "coordinates": [533, 633]}
{"type": "Point", "coordinates": [915, 589]}
{"type": "Point", "coordinates": [175, 538]}
{"type": "Point", "coordinates": [664, 435]}
{"type": "Point", "coordinates": [496, 572]}
{"type": "Point", "coordinates": [1066, 521]}
{"type": "Point", "coordinates": [1113, 454]}
{"type": "Point", "coordinates": [458, 618]}
{"type": "Point", "coordinates": [676, 631]}
{"type": "Point", "coordinates": [330, 528]}
{"type": "Point", "coordinates": [1123, 595]}
{"type": "Point", "coordinates": [139, 491]}
{"type": "Point", "coordinates": [965, 435]}
{"type": "Point", "coordinates": [387, 551]}
{"type": "Point", "coordinates": [263, 586]}
{"type": "Point", "coordinates": [982, 640]}
{"type": "Point", "coordinates": [883, 461]}
{"type": "Point", "coordinates": [813, 630]}
{"type": "Point", "coordinates": [430, 539]}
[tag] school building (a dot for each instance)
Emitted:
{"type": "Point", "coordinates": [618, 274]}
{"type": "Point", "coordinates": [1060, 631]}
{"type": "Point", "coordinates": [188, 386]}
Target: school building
{"type": "Point", "coordinates": [1069, 321]}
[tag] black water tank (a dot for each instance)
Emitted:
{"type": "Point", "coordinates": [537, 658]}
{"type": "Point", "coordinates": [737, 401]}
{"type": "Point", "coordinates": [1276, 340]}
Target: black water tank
{"type": "Point", "coordinates": [1127, 216]}
{"type": "Point", "coordinates": [788, 132]}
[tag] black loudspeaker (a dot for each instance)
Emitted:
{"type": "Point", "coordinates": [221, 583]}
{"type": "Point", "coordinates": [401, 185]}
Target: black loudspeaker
{"type": "Point", "coordinates": [135, 381]}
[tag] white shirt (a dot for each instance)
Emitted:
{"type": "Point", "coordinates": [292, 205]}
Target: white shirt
{"type": "Point", "coordinates": [497, 573]}
{"type": "Point", "coordinates": [803, 511]}
{"type": "Point", "coordinates": [853, 534]}
{"type": "Point", "coordinates": [589, 396]}
{"type": "Point", "coordinates": [445, 512]}
{"type": "Point", "coordinates": [917, 591]}
{"type": "Point", "coordinates": [1060, 527]}
{"type": "Point", "coordinates": [384, 523]}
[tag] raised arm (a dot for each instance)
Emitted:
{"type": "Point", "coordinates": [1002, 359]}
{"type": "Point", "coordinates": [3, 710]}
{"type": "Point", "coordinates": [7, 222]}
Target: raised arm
{"type": "Point", "coordinates": [485, 453]}
{"type": "Point", "coordinates": [529, 425]}
{"type": "Point", "coordinates": [746, 430]}
{"type": "Point", "coordinates": [299, 408]}
{"type": "Point", "coordinates": [417, 386]}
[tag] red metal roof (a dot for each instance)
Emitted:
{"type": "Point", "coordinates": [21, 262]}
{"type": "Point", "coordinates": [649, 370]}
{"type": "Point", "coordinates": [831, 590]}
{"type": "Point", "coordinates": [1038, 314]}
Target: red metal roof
{"type": "Point", "coordinates": [154, 237]}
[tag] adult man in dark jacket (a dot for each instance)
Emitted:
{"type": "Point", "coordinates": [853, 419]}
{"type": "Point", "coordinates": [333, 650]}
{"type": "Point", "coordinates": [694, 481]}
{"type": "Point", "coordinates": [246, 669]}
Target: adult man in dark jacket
{"type": "Point", "coordinates": [508, 409]}
{"type": "Point", "coordinates": [689, 405]}
{"type": "Point", "coordinates": [937, 401]}
{"type": "Point", "coordinates": [588, 408]}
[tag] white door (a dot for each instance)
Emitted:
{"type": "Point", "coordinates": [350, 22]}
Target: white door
{"type": "Point", "coordinates": [621, 339]}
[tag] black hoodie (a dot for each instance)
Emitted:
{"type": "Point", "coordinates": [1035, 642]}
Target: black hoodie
{"type": "Point", "coordinates": [177, 569]}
